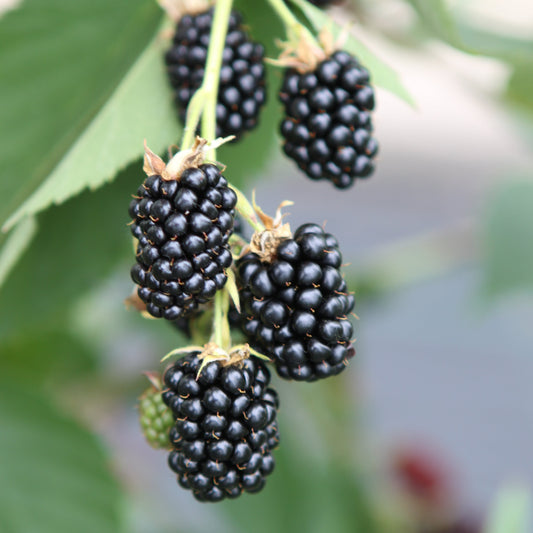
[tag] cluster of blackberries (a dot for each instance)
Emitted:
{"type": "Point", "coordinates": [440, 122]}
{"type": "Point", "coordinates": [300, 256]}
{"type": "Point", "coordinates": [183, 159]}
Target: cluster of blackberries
{"type": "Point", "coordinates": [293, 298]}
{"type": "Point", "coordinates": [295, 307]}
{"type": "Point", "coordinates": [225, 426]}
{"type": "Point", "coordinates": [242, 90]}
{"type": "Point", "coordinates": [327, 128]}
{"type": "Point", "coordinates": [182, 227]}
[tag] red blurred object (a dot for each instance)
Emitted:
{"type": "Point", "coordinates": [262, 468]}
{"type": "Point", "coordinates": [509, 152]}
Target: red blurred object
{"type": "Point", "coordinates": [423, 475]}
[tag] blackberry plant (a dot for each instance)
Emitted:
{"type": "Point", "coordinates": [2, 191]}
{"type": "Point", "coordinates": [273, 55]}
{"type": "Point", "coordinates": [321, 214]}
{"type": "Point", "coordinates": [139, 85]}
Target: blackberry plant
{"type": "Point", "coordinates": [286, 292]}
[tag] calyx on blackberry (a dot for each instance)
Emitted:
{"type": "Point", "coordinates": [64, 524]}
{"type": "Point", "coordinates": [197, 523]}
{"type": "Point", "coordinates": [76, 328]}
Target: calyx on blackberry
{"type": "Point", "coordinates": [225, 426]}
{"type": "Point", "coordinates": [154, 416]}
{"type": "Point", "coordinates": [327, 127]}
{"type": "Point", "coordinates": [295, 302]}
{"type": "Point", "coordinates": [182, 219]}
{"type": "Point", "coordinates": [242, 90]}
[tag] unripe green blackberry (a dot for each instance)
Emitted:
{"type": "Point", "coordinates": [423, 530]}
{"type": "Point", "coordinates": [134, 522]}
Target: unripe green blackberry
{"type": "Point", "coordinates": [155, 418]}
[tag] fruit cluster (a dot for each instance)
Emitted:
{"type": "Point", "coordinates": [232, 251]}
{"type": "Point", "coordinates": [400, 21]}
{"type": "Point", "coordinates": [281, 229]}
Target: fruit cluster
{"type": "Point", "coordinates": [327, 96]}
{"type": "Point", "coordinates": [214, 409]}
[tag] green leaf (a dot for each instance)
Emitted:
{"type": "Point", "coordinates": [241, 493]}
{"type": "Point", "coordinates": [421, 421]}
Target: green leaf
{"type": "Point", "coordinates": [512, 512]}
{"type": "Point", "coordinates": [54, 473]}
{"type": "Point", "coordinates": [438, 19]}
{"type": "Point", "coordinates": [488, 43]}
{"type": "Point", "coordinates": [382, 75]}
{"type": "Point", "coordinates": [442, 22]}
{"type": "Point", "coordinates": [45, 357]}
{"type": "Point", "coordinates": [13, 246]}
{"type": "Point", "coordinates": [520, 87]}
{"type": "Point", "coordinates": [60, 61]}
{"type": "Point", "coordinates": [508, 235]}
{"type": "Point", "coordinates": [78, 244]}
{"type": "Point", "coordinates": [139, 109]}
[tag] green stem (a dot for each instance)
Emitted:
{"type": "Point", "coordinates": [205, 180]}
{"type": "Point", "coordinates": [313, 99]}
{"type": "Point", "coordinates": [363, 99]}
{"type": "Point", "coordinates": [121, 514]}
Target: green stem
{"type": "Point", "coordinates": [217, 319]}
{"type": "Point", "coordinates": [246, 210]}
{"type": "Point", "coordinates": [293, 27]}
{"type": "Point", "coordinates": [212, 70]}
{"type": "Point", "coordinates": [221, 329]}
{"type": "Point", "coordinates": [203, 103]}
{"type": "Point", "coordinates": [194, 112]}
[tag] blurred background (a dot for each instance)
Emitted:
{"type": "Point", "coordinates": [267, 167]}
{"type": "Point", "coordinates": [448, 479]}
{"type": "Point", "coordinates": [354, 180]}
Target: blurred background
{"type": "Point", "coordinates": [430, 430]}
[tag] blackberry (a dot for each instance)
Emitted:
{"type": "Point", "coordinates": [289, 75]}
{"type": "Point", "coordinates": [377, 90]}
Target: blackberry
{"type": "Point", "coordinates": [225, 426]}
{"type": "Point", "coordinates": [242, 90]}
{"type": "Point", "coordinates": [294, 307]}
{"type": "Point", "coordinates": [182, 226]}
{"type": "Point", "coordinates": [327, 126]}
{"type": "Point", "coordinates": [155, 418]}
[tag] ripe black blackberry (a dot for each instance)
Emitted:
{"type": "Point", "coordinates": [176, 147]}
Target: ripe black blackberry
{"type": "Point", "coordinates": [242, 90]}
{"type": "Point", "coordinates": [182, 225]}
{"type": "Point", "coordinates": [225, 427]}
{"type": "Point", "coordinates": [327, 126]}
{"type": "Point", "coordinates": [295, 305]}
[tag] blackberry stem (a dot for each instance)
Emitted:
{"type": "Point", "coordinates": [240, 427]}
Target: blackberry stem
{"type": "Point", "coordinates": [246, 210]}
{"type": "Point", "coordinates": [221, 330]}
{"type": "Point", "coordinates": [203, 103]}
{"type": "Point", "coordinates": [293, 27]}
{"type": "Point", "coordinates": [212, 69]}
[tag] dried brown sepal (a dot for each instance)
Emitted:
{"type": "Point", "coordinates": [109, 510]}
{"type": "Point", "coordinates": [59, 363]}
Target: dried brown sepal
{"type": "Point", "coordinates": [155, 380]}
{"type": "Point", "coordinates": [182, 160]}
{"type": "Point", "coordinates": [265, 243]}
{"type": "Point", "coordinates": [306, 56]}
{"type": "Point", "coordinates": [175, 9]}
{"type": "Point", "coordinates": [212, 352]}
{"type": "Point", "coordinates": [153, 164]}
{"type": "Point", "coordinates": [134, 302]}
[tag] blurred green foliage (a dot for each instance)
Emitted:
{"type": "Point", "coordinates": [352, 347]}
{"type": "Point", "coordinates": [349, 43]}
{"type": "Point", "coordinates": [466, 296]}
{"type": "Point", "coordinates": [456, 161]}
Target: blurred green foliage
{"type": "Point", "coordinates": [54, 473]}
{"type": "Point", "coordinates": [509, 260]}
{"type": "Point", "coordinates": [512, 512]}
